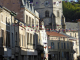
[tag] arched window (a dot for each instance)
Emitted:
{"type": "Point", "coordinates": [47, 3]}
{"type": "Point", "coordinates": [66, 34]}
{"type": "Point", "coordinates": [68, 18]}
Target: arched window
{"type": "Point", "coordinates": [46, 13]}
{"type": "Point", "coordinates": [57, 13]}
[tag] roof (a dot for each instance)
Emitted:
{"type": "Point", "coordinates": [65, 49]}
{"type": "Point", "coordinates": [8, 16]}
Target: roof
{"type": "Point", "coordinates": [71, 26]}
{"type": "Point", "coordinates": [52, 33]}
{"type": "Point", "coordinates": [70, 37]}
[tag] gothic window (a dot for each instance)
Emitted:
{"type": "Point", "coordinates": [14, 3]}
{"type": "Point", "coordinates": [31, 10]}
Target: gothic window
{"type": "Point", "coordinates": [46, 13]}
{"type": "Point", "coordinates": [57, 13]}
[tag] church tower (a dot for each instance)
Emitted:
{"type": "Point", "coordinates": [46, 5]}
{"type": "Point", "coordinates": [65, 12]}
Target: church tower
{"type": "Point", "coordinates": [51, 13]}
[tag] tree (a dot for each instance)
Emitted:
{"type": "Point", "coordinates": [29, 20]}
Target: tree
{"type": "Point", "coordinates": [71, 11]}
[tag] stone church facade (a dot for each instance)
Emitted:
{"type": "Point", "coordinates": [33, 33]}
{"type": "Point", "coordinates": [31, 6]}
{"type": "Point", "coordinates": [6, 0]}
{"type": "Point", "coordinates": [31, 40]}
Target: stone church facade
{"type": "Point", "coordinates": [51, 12]}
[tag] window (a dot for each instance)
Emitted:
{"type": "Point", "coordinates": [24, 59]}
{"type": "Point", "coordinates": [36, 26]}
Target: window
{"type": "Point", "coordinates": [62, 45]}
{"type": "Point", "coordinates": [28, 38]}
{"type": "Point", "coordinates": [30, 21]}
{"type": "Point", "coordinates": [6, 20]}
{"type": "Point", "coordinates": [75, 34]}
{"type": "Point", "coordinates": [26, 19]}
{"type": "Point", "coordinates": [34, 39]}
{"type": "Point", "coordinates": [12, 41]}
{"type": "Point", "coordinates": [70, 34]}
{"type": "Point", "coordinates": [46, 13]}
{"type": "Point", "coordinates": [62, 54]}
{"type": "Point", "coordinates": [58, 45]}
{"type": "Point", "coordinates": [57, 13]}
{"type": "Point", "coordinates": [2, 37]}
{"type": "Point", "coordinates": [7, 39]}
{"type": "Point", "coordinates": [67, 45]}
{"type": "Point", "coordinates": [16, 38]}
{"type": "Point", "coordinates": [52, 45]}
{"type": "Point", "coordinates": [22, 40]}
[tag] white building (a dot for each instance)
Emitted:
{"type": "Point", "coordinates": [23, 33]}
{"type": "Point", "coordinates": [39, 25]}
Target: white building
{"type": "Point", "coordinates": [43, 40]}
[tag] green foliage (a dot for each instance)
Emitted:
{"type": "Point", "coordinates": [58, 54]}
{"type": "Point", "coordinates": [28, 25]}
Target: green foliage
{"type": "Point", "coordinates": [71, 11]}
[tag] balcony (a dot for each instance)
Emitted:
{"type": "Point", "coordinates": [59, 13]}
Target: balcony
{"type": "Point", "coordinates": [1, 51]}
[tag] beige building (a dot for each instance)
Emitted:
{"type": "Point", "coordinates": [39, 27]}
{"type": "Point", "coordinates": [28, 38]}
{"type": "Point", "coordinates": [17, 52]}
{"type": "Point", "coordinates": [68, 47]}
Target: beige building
{"type": "Point", "coordinates": [26, 38]}
{"type": "Point", "coordinates": [59, 46]}
{"type": "Point", "coordinates": [73, 46]}
{"type": "Point", "coordinates": [6, 33]}
{"type": "Point", "coordinates": [72, 30]}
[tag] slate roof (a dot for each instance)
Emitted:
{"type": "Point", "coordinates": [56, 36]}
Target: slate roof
{"type": "Point", "coordinates": [71, 26]}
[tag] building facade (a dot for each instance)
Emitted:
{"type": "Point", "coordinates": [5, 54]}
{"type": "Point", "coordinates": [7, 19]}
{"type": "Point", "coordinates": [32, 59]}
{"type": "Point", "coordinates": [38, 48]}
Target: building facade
{"type": "Point", "coordinates": [6, 32]}
{"type": "Point", "coordinates": [28, 34]}
{"type": "Point", "coordinates": [26, 31]}
{"type": "Point", "coordinates": [72, 30]}
{"type": "Point", "coordinates": [59, 46]}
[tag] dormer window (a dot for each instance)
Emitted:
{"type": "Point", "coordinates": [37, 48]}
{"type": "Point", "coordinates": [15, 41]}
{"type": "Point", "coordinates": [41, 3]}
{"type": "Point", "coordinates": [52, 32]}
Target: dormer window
{"type": "Point", "coordinates": [46, 13]}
